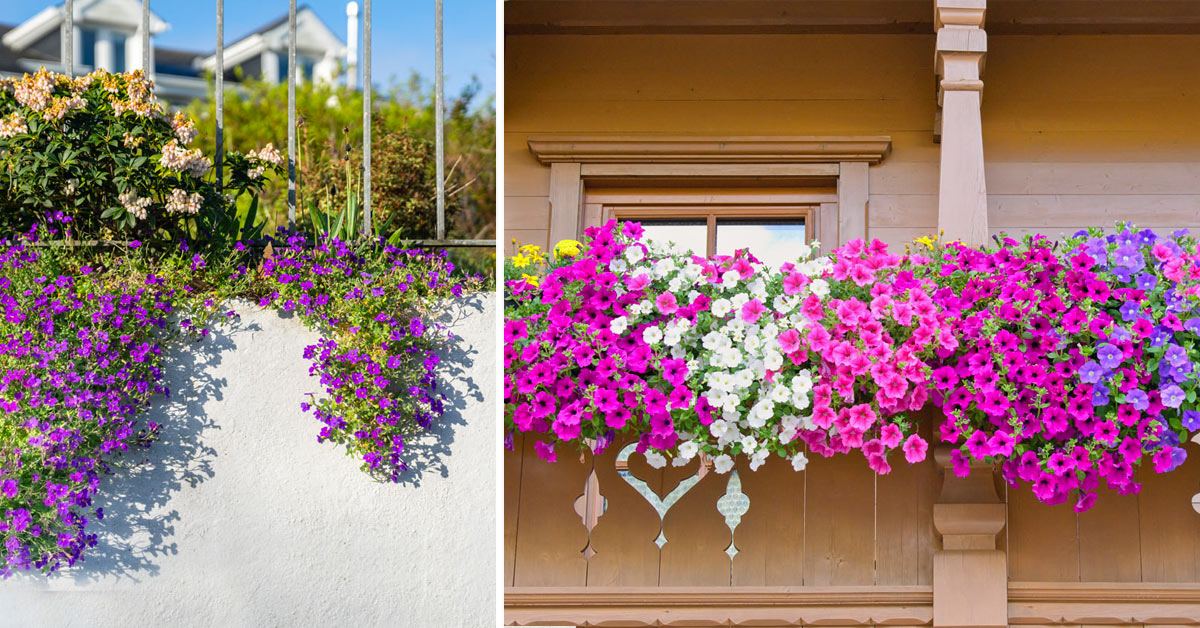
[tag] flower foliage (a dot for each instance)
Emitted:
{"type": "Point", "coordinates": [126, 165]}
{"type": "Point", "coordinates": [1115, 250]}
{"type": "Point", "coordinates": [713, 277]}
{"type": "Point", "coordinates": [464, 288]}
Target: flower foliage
{"type": "Point", "coordinates": [81, 355]}
{"type": "Point", "coordinates": [1065, 363]}
{"type": "Point", "coordinates": [101, 149]}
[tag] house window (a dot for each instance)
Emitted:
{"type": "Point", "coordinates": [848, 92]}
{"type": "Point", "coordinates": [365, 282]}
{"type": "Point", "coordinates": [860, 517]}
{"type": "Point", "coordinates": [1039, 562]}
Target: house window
{"type": "Point", "coordinates": [87, 45]}
{"type": "Point", "coordinates": [771, 233]}
{"type": "Point", "coordinates": [304, 68]}
{"type": "Point", "coordinates": [118, 46]}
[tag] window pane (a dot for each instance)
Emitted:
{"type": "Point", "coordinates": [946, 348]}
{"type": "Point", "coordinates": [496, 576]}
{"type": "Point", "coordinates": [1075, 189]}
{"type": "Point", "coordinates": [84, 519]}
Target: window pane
{"type": "Point", "coordinates": [772, 241]}
{"type": "Point", "coordinates": [688, 235]}
{"type": "Point", "coordinates": [87, 47]}
{"type": "Point", "coordinates": [118, 44]}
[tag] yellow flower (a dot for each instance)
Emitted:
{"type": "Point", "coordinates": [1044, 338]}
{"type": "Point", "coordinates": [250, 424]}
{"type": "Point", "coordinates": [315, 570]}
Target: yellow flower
{"type": "Point", "coordinates": [520, 261]}
{"type": "Point", "coordinates": [530, 279]}
{"type": "Point", "coordinates": [532, 250]}
{"type": "Point", "coordinates": [567, 248]}
{"type": "Point", "coordinates": [927, 241]}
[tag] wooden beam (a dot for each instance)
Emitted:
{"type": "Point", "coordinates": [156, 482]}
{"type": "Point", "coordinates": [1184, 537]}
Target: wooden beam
{"type": "Point", "coordinates": [666, 171]}
{"type": "Point", "coordinates": [593, 149]}
{"type": "Point", "coordinates": [713, 606]}
{"type": "Point", "coordinates": [566, 202]}
{"type": "Point", "coordinates": [854, 192]}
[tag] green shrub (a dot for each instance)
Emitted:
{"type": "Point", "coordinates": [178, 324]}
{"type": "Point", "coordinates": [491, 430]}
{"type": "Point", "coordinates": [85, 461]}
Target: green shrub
{"type": "Point", "coordinates": [101, 150]}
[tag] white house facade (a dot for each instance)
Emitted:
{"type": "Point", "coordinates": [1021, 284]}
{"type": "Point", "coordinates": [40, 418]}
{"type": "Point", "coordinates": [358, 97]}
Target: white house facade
{"type": "Point", "coordinates": [107, 35]}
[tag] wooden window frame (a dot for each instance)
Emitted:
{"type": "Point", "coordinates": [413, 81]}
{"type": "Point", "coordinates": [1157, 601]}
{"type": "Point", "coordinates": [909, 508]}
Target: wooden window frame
{"type": "Point", "coordinates": [577, 163]}
{"type": "Point", "coordinates": [712, 213]}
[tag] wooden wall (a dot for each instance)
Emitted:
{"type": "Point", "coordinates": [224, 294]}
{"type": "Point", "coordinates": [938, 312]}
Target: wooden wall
{"type": "Point", "coordinates": [1078, 130]}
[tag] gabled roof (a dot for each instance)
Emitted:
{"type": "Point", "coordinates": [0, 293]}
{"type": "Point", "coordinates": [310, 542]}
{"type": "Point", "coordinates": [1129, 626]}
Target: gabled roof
{"type": "Point", "coordinates": [121, 13]}
{"type": "Point", "coordinates": [312, 35]}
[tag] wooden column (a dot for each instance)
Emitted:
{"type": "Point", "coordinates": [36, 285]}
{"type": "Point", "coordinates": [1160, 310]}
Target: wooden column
{"type": "Point", "coordinates": [566, 197]}
{"type": "Point", "coordinates": [962, 192]}
{"type": "Point", "coordinates": [854, 192]}
{"type": "Point", "coordinates": [970, 576]}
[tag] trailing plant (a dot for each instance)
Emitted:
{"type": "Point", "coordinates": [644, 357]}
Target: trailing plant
{"type": "Point", "coordinates": [86, 325]}
{"type": "Point", "coordinates": [377, 356]}
{"type": "Point", "coordinates": [1064, 363]}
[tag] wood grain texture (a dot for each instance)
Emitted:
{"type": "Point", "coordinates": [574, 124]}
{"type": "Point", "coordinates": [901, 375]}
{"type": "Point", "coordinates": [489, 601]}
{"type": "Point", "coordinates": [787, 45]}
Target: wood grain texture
{"type": "Point", "coordinates": [770, 537]}
{"type": "Point", "coordinates": [1043, 541]}
{"type": "Point", "coordinates": [839, 522]}
{"type": "Point", "coordinates": [1170, 528]}
{"type": "Point", "coordinates": [1110, 540]}
{"type": "Point", "coordinates": [696, 533]}
{"type": "Point", "coordinates": [623, 538]}
{"type": "Point", "coordinates": [513, 463]}
{"type": "Point", "coordinates": [550, 535]}
{"type": "Point", "coordinates": [905, 536]}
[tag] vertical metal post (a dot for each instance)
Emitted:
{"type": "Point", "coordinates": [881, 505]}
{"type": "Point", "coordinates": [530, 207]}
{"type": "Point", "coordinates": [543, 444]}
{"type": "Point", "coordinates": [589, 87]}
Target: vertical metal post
{"type": "Point", "coordinates": [69, 39]}
{"type": "Point", "coordinates": [146, 38]}
{"type": "Point", "coordinates": [291, 78]}
{"type": "Point", "coordinates": [440, 138]}
{"type": "Point", "coordinates": [219, 93]}
{"type": "Point", "coordinates": [367, 117]}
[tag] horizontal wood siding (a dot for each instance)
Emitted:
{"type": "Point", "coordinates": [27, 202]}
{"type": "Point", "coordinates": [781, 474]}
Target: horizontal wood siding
{"type": "Point", "coordinates": [1078, 130]}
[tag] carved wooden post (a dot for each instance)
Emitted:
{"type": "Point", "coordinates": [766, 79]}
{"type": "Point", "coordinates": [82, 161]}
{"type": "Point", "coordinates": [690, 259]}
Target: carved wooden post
{"type": "Point", "coordinates": [962, 192]}
{"type": "Point", "coordinates": [970, 576]}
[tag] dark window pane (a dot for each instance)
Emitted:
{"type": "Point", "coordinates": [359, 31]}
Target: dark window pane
{"type": "Point", "coordinates": [772, 241]}
{"type": "Point", "coordinates": [87, 45]}
{"type": "Point", "coordinates": [118, 44]}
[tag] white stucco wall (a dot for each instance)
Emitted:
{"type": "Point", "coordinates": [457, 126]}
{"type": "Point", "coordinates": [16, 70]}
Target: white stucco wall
{"type": "Point", "coordinates": [238, 517]}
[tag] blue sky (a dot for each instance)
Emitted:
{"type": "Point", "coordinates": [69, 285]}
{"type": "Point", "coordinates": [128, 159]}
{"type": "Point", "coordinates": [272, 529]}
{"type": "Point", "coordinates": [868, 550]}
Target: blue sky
{"type": "Point", "coordinates": [402, 33]}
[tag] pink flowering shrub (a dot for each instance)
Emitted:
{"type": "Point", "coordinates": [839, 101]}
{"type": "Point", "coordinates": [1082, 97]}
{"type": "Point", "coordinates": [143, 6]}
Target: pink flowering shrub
{"type": "Point", "coordinates": [1066, 364]}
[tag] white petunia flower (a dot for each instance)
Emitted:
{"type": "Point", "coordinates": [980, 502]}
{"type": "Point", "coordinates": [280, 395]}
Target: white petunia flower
{"type": "Point", "coordinates": [723, 463]}
{"type": "Point", "coordinates": [655, 459]}
{"type": "Point", "coordinates": [618, 325]}
{"type": "Point", "coordinates": [652, 335]}
{"type": "Point", "coordinates": [688, 450]}
{"type": "Point", "coordinates": [819, 287]}
{"type": "Point", "coordinates": [799, 461]}
{"type": "Point", "coordinates": [758, 459]}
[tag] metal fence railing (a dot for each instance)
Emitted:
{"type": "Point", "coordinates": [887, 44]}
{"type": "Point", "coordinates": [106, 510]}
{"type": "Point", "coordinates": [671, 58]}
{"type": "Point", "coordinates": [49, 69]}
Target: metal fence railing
{"type": "Point", "coordinates": [219, 78]}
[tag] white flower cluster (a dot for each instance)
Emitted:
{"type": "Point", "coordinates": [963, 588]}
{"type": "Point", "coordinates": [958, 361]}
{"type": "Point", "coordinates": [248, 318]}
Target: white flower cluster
{"type": "Point", "coordinates": [35, 92]}
{"type": "Point", "coordinates": [268, 154]}
{"type": "Point", "coordinates": [137, 206]}
{"type": "Point", "coordinates": [177, 158]}
{"type": "Point", "coordinates": [12, 126]}
{"type": "Point", "coordinates": [181, 202]}
{"type": "Point", "coordinates": [733, 349]}
{"type": "Point", "coordinates": [184, 128]}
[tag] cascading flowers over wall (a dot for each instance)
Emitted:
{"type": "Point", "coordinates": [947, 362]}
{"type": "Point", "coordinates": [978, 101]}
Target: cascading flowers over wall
{"type": "Point", "coordinates": [1066, 363]}
{"type": "Point", "coordinates": [83, 329]}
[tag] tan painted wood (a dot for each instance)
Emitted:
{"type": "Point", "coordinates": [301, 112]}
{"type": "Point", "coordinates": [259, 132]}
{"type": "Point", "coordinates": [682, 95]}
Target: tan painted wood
{"type": "Point", "coordinates": [550, 536]}
{"type": "Point", "coordinates": [729, 171]}
{"type": "Point", "coordinates": [1170, 537]}
{"type": "Point", "coordinates": [1042, 540]}
{"type": "Point", "coordinates": [854, 193]}
{"type": "Point", "coordinates": [1110, 540]}
{"type": "Point", "coordinates": [697, 536]}
{"type": "Point", "coordinates": [527, 212]}
{"type": "Point", "coordinates": [770, 537]}
{"type": "Point", "coordinates": [710, 195]}
{"type": "Point", "coordinates": [623, 538]}
{"type": "Point", "coordinates": [839, 522]}
{"type": "Point", "coordinates": [716, 150]}
{"type": "Point", "coordinates": [719, 606]}
{"type": "Point", "coordinates": [513, 462]}
{"type": "Point", "coordinates": [905, 538]}
{"type": "Point", "coordinates": [827, 227]}
{"type": "Point", "coordinates": [566, 201]}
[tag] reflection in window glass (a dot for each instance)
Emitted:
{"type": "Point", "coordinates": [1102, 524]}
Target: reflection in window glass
{"type": "Point", "coordinates": [771, 241]}
{"type": "Point", "coordinates": [688, 235]}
